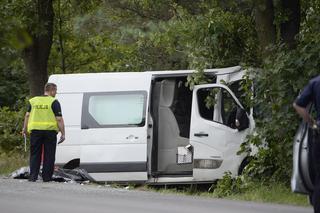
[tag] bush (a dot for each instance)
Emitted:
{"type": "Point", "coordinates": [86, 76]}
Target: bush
{"type": "Point", "coordinates": [11, 123]}
{"type": "Point", "coordinates": [227, 186]}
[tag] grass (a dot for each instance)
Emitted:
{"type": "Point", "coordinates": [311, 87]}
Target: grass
{"type": "Point", "coordinates": [274, 193]}
{"type": "Point", "coordinates": [11, 162]}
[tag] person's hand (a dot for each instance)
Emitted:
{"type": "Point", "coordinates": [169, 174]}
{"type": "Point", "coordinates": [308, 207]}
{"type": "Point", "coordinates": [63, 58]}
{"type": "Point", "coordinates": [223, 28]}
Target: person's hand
{"type": "Point", "coordinates": [314, 126]}
{"type": "Point", "coordinates": [312, 123]}
{"type": "Point", "coordinates": [62, 138]}
{"type": "Point", "coordinates": [237, 122]}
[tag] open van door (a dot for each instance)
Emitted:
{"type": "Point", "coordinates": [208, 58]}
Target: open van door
{"type": "Point", "coordinates": [301, 181]}
{"type": "Point", "coordinates": [215, 134]}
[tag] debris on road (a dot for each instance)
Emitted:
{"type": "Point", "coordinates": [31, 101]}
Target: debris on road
{"type": "Point", "coordinates": [59, 175]}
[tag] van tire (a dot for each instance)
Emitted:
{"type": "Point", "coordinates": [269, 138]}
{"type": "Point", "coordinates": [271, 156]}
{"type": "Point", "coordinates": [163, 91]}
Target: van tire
{"type": "Point", "coordinates": [243, 165]}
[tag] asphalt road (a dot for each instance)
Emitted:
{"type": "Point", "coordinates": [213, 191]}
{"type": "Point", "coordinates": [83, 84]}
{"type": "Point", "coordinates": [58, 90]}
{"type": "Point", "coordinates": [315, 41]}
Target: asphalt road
{"type": "Point", "coordinates": [20, 196]}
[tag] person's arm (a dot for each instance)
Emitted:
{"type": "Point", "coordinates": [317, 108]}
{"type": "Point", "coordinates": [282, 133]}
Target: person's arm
{"type": "Point", "coordinates": [302, 111]}
{"type": "Point", "coordinates": [61, 128]}
{"type": "Point", "coordinates": [302, 101]}
{"type": "Point", "coordinates": [25, 123]}
{"type": "Point", "coordinates": [56, 108]}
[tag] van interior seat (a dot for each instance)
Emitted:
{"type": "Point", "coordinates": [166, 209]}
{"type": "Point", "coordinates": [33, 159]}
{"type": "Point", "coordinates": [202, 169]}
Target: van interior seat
{"type": "Point", "coordinates": [169, 134]}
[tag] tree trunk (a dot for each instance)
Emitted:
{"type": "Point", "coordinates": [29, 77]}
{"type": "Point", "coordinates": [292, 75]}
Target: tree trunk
{"type": "Point", "coordinates": [264, 18]}
{"type": "Point", "coordinates": [36, 56]}
{"type": "Point", "coordinates": [290, 28]}
{"type": "Point", "coordinates": [61, 49]}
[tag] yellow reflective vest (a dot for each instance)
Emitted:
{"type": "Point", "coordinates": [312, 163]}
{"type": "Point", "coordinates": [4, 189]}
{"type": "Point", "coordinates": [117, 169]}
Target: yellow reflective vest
{"type": "Point", "coordinates": [41, 116]}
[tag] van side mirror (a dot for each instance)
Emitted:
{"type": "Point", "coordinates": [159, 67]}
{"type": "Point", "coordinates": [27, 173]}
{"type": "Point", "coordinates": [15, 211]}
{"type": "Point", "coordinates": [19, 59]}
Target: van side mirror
{"type": "Point", "coordinates": [242, 120]}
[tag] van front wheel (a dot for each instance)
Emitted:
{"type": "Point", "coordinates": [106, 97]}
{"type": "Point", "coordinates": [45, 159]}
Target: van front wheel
{"type": "Point", "coordinates": [243, 165]}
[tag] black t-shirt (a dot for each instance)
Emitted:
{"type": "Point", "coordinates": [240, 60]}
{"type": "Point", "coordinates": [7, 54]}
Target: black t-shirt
{"type": "Point", "coordinates": [311, 94]}
{"type": "Point", "coordinates": [56, 108]}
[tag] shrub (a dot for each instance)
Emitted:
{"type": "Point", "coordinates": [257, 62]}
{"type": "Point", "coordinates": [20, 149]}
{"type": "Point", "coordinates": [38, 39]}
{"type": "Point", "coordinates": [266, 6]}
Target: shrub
{"type": "Point", "coordinates": [11, 122]}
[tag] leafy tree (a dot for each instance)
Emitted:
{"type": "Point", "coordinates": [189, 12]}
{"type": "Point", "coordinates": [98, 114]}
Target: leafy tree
{"type": "Point", "coordinates": [39, 25]}
{"type": "Point", "coordinates": [31, 34]}
{"type": "Point", "coordinates": [289, 70]}
{"type": "Point", "coordinates": [277, 17]}
{"type": "Point", "coordinates": [13, 78]}
{"type": "Point", "coordinates": [13, 84]}
{"type": "Point", "coordinates": [173, 35]}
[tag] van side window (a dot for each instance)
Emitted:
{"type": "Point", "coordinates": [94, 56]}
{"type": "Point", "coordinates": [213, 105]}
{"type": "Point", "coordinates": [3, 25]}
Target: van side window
{"type": "Point", "coordinates": [205, 111]}
{"type": "Point", "coordinates": [228, 109]}
{"type": "Point", "coordinates": [113, 109]}
{"type": "Point", "coordinates": [217, 104]}
{"type": "Point", "coordinates": [239, 92]}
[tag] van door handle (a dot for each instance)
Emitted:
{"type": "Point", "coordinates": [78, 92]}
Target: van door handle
{"type": "Point", "coordinates": [201, 134]}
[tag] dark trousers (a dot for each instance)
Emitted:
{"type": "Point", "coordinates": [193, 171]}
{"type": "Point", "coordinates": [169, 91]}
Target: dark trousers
{"type": "Point", "coordinates": [47, 139]}
{"type": "Point", "coordinates": [316, 168]}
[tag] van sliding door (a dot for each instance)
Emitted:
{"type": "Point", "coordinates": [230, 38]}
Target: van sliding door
{"type": "Point", "coordinates": [114, 125]}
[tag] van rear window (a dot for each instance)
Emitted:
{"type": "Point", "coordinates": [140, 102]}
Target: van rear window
{"type": "Point", "coordinates": [114, 109]}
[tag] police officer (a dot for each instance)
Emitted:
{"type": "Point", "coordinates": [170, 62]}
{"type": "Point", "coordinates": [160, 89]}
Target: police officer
{"type": "Point", "coordinates": [43, 120]}
{"type": "Point", "coordinates": [311, 94]}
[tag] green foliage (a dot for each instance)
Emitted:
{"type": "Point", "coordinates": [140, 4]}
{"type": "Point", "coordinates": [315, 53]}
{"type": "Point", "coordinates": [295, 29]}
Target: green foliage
{"type": "Point", "coordinates": [244, 188]}
{"type": "Point", "coordinates": [13, 38]}
{"type": "Point", "coordinates": [19, 22]}
{"type": "Point", "coordinates": [13, 85]}
{"type": "Point", "coordinates": [223, 39]}
{"type": "Point", "coordinates": [228, 186]}
{"type": "Point", "coordinates": [11, 139]}
{"type": "Point", "coordinates": [289, 71]}
{"type": "Point", "coordinates": [144, 35]}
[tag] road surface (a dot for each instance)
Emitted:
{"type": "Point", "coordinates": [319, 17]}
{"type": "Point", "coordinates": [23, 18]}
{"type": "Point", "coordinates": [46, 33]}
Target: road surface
{"type": "Point", "coordinates": [21, 196]}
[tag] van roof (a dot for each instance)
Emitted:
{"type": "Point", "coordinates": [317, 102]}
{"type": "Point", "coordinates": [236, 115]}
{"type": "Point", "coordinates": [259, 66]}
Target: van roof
{"type": "Point", "coordinates": [163, 73]}
{"type": "Point", "coordinates": [119, 81]}
{"type": "Point", "coordinates": [177, 73]}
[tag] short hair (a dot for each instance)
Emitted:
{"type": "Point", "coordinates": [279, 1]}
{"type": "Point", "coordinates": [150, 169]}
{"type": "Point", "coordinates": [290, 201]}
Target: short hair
{"type": "Point", "coordinates": [49, 86]}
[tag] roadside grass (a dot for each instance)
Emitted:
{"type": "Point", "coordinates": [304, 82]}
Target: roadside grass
{"type": "Point", "coordinates": [11, 162]}
{"type": "Point", "coordinates": [278, 193]}
{"type": "Point", "coordinates": [272, 193]}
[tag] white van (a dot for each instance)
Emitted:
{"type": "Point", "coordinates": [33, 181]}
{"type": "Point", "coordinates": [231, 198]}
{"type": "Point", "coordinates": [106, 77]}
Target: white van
{"type": "Point", "coordinates": [149, 127]}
